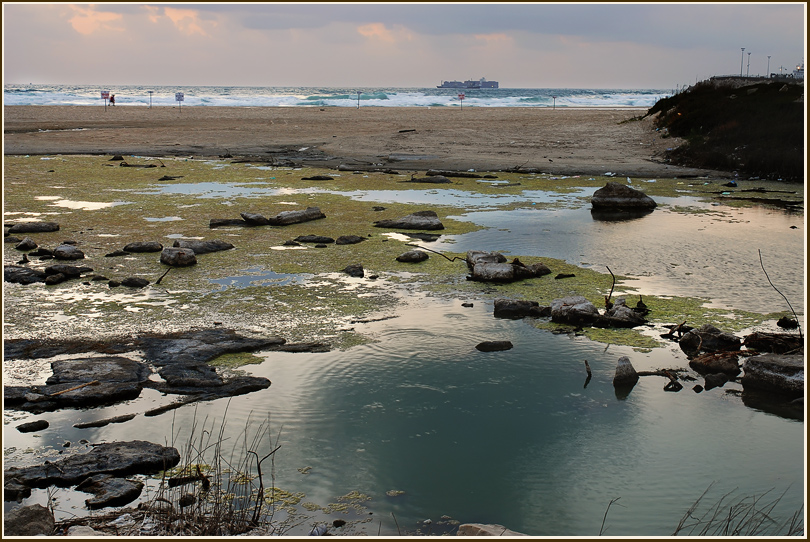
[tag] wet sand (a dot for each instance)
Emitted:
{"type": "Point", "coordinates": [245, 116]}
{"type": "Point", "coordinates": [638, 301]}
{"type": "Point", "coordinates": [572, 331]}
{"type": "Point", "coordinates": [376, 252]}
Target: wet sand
{"type": "Point", "coordinates": [560, 141]}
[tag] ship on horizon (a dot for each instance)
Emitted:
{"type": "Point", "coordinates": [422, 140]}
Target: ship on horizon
{"type": "Point", "coordinates": [469, 84]}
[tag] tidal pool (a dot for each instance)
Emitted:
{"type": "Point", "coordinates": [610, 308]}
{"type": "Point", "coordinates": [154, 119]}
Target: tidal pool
{"type": "Point", "coordinates": [415, 417]}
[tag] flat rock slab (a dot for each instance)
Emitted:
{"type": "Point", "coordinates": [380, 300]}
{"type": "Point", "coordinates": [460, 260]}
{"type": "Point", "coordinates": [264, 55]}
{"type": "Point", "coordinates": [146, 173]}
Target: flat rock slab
{"type": "Point", "coordinates": [109, 490]}
{"type": "Point", "coordinates": [22, 275]}
{"type": "Point", "coordinates": [33, 227]}
{"type": "Point", "coordinates": [105, 369]}
{"type": "Point", "coordinates": [195, 347]}
{"type": "Point", "coordinates": [120, 458]}
{"type": "Point", "coordinates": [777, 373]}
{"type": "Point", "coordinates": [493, 346]}
{"type": "Point", "coordinates": [422, 220]}
{"type": "Point", "coordinates": [204, 247]}
{"type": "Point", "coordinates": [518, 308]}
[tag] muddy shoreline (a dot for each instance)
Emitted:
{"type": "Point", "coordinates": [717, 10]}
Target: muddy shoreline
{"type": "Point", "coordinates": [560, 141]}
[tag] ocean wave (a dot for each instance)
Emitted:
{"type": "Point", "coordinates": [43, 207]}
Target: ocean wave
{"type": "Point", "coordinates": [211, 96]}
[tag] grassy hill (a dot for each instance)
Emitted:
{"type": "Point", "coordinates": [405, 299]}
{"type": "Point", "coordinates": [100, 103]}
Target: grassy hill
{"type": "Point", "coordinates": [757, 130]}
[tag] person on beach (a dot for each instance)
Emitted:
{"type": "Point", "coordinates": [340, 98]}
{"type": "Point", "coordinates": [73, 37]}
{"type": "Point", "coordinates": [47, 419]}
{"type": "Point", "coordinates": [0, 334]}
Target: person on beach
{"type": "Point", "coordinates": [112, 99]}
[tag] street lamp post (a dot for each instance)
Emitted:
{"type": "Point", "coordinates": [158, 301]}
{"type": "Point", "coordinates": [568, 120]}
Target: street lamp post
{"type": "Point", "coordinates": [748, 66]}
{"type": "Point", "coordinates": [742, 57]}
{"type": "Point", "coordinates": [768, 72]}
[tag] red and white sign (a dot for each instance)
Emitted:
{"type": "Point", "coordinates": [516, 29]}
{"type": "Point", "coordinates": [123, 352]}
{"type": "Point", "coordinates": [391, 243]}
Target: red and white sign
{"type": "Point", "coordinates": [105, 94]}
{"type": "Point", "coordinates": [461, 96]}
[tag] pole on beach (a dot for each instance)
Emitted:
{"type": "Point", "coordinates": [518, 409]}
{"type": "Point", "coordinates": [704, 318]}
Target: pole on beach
{"type": "Point", "coordinates": [150, 98]}
{"type": "Point", "coordinates": [358, 99]}
{"type": "Point", "coordinates": [461, 99]}
{"type": "Point", "coordinates": [105, 94]}
{"type": "Point", "coordinates": [179, 96]}
{"type": "Point", "coordinates": [554, 103]}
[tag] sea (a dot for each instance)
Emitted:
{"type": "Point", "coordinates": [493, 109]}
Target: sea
{"type": "Point", "coordinates": [224, 96]}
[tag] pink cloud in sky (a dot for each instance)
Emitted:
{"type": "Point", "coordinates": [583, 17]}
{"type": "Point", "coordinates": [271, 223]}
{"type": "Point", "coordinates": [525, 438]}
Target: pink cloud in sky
{"type": "Point", "coordinates": [186, 20]}
{"type": "Point", "coordinates": [87, 20]}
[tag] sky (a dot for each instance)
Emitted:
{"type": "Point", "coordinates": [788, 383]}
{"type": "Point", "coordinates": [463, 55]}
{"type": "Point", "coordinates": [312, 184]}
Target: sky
{"type": "Point", "coordinates": [521, 45]}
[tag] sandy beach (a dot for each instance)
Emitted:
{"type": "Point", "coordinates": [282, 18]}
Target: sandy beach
{"type": "Point", "coordinates": [560, 141]}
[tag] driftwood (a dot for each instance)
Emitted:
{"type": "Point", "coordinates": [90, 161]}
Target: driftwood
{"type": "Point", "coordinates": [93, 383]}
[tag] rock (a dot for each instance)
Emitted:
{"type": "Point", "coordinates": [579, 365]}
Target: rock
{"type": "Point", "coordinates": [255, 219]}
{"type": "Point", "coordinates": [354, 270]}
{"type": "Point", "coordinates": [431, 179]}
{"type": "Point", "coordinates": [11, 239]}
{"type": "Point", "coordinates": [476, 256]}
{"type": "Point", "coordinates": [717, 380]}
{"type": "Point", "coordinates": [82, 531]}
{"type": "Point", "coordinates": [318, 178]}
{"type": "Point", "coordinates": [120, 458]}
{"type": "Point", "coordinates": [349, 240]}
{"type": "Point", "coordinates": [22, 275]}
{"type": "Point", "coordinates": [33, 227]}
{"type": "Point", "coordinates": [626, 375]}
{"type": "Point", "coordinates": [26, 244]}
{"type": "Point", "coordinates": [480, 529]}
{"type": "Point", "coordinates": [189, 375]}
{"type": "Point", "coordinates": [422, 220]}
{"type": "Point", "coordinates": [413, 256]}
{"type": "Point", "coordinates": [620, 315]}
{"type": "Point", "coordinates": [33, 520]}
{"type": "Point", "coordinates": [787, 323]}
{"type": "Point", "coordinates": [220, 222]}
{"type": "Point", "coordinates": [776, 373]}
{"type": "Point", "coordinates": [320, 239]}
{"type": "Point", "coordinates": [514, 309]}
{"type": "Point", "coordinates": [539, 269]}
{"type": "Point", "coordinates": [67, 252]}
{"type": "Point", "coordinates": [494, 346]}
{"type": "Point", "coordinates": [69, 271]}
{"type": "Point", "coordinates": [146, 246]}
{"type": "Point", "coordinates": [196, 347]}
{"type": "Point", "coordinates": [574, 310]}
{"type": "Point", "coordinates": [203, 247]}
{"type": "Point", "coordinates": [109, 490]}
{"type": "Point", "coordinates": [14, 490]}
{"type": "Point", "coordinates": [778, 343]}
{"type": "Point", "coordinates": [708, 339]}
{"type": "Point", "coordinates": [135, 282]}
{"type": "Point", "coordinates": [116, 253]}
{"type": "Point", "coordinates": [55, 279]}
{"type": "Point", "coordinates": [107, 421]}
{"type": "Point", "coordinates": [286, 218]}
{"type": "Point", "coordinates": [178, 257]}
{"type": "Point", "coordinates": [30, 427]}
{"type": "Point", "coordinates": [618, 196]}
{"type": "Point", "coordinates": [713, 363]}
{"type": "Point", "coordinates": [107, 369]}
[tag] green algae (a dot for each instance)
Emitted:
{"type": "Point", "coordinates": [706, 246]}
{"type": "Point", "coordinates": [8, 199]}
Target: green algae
{"type": "Point", "coordinates": [319, 302]}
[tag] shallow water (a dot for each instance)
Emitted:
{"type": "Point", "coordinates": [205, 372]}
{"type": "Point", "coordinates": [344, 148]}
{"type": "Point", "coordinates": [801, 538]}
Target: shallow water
{"type": "Point", "coordinates": [510, 437]}
{"type": "Point", "coordinates": [514, 437]}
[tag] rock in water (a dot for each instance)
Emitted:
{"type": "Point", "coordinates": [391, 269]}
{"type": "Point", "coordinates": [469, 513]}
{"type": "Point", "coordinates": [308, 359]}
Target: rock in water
{"type": "Point", "coordinates": [626, 375]}
{"type": "Point", "coordinates": [618, 196]}
{"type": "Point", "coordinates": [178, 257]}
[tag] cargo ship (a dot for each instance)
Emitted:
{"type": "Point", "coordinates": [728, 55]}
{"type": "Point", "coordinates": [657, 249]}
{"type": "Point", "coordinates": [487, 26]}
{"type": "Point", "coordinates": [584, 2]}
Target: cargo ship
{"type": "Point", "coordinates": [481, 83]}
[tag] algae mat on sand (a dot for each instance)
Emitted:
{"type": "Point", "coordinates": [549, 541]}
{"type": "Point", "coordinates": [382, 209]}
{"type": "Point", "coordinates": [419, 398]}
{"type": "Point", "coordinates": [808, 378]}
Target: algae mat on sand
{"type": "Point", "coordinates": [262, 285]}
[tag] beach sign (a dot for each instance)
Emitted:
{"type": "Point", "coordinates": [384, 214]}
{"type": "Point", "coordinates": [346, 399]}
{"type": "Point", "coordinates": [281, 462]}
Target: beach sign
{"type": "Point", "coordinates": [105, 95]}
{"type": "Point", "coordinates": [179, 96]}
{"type": "Point", "coordinates": [461, 98]}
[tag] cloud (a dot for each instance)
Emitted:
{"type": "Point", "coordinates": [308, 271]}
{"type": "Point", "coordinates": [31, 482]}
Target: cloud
{"type": "Point", "coordinates": [380, 32]}
{"type": "Point", "coordinates": [88, 21]}
{"type": "Point", "coordinates": [188, 21]}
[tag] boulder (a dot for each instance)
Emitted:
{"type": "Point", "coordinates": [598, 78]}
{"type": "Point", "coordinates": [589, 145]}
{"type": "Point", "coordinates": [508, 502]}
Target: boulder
{"type": "Point", "coordinates": [33, 520]}
{"type": "Point", "coordinates": [33, 227]}
{"type": "Point", "coordinates": [708, 339]}
{"type": "Point", "coordinates": [481, 529]}
{"type": "Point", "coordinates": [135, 282]}
{"type": "Point", "coordinates": [413, 256]}
{"type": "Point", "coordinates": [778, 373]}
{"type": "Point", "coordinates": [255, 219]}
{"type": "Point", "coordinates": [121, 458]}
{"type": "Point", "coordinates": [574, 310]}
{"type": "Point", "coordinates": [516, 308]}
{"type": "Point", "coordinates": [430, 179]}
{"type": "Point", "coordinates": [476, 256]}
{"type": "Point", "coordinates": [626, 375]}
{"type": "Point", "coordinates": [31, 427]}
{"type": "Point", "coordinates": [146, 246]}
{"type": "Point", "coordinates": [178, 257]}
{"type": "Point", "coordinates": [714, 363]}
{"type": "Point", "coordinates": [349, 240]}
{"type": "Point", "coordinates": [286, 218]}
{"type": "Point", "coordinates": [778, 343]}
{"type": "Point", "coordinates": [354, 270]}
{"type": "Point", "coordinates": [422, 220]}
{"type": "Point", "coordinates": [221, 222]}
{"type": "Point", "coordinates": [26, 244]}
{"type": "Point", "coordinates": [493, 346]}
{"type": "Point", "coordinates": [69, 271]}
{"type": "Point", "coordinates": [22, 275]}
{"type": "Point", "coordinates": [619, 196]}
{"type": "Point", "coordinates": [109, 490]}
{"type": "Point", "coordinates": [717, 380]}
{"type": "Point", "coordinates": [56, 278]}
{"type": "Point", "coordinates": [620, 315]}
{"type": "Point", "coordinates": [203, 247]}
{"type": "Point", "coordinates": [67, 252]}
